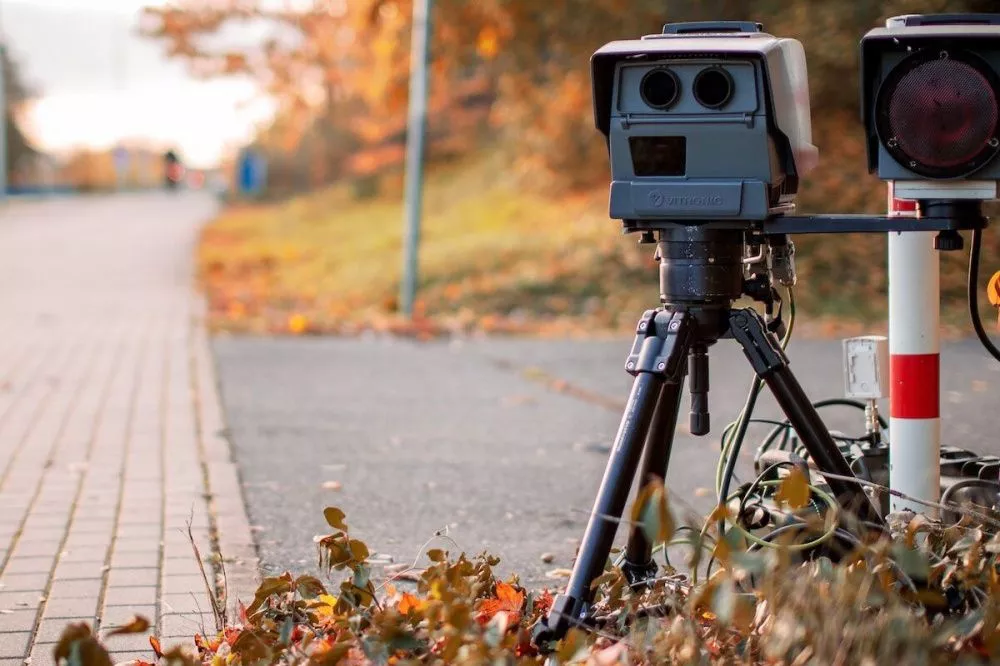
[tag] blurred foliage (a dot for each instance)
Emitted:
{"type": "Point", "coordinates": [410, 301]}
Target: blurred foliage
{"type": "Point", "coordinates": [511, 78]}
{"type": "Point", "coordinates": [21, 154]}
{"type": "Point", "coordinates": [340, 69]}
{"type": "Point", "coordinates": [494, 258]}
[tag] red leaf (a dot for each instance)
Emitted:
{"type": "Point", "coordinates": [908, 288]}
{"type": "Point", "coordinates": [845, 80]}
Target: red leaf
{"type": "Point", "coordinates": [509, 600]}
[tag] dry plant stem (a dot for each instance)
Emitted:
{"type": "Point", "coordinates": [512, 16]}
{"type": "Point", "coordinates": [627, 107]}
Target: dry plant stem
{"type": "Point", "coordinates": [935, 505]}
{"type": "Point", "coordinates": [399, 574]}
{"type": "Point", "coordinates": [217, 613]}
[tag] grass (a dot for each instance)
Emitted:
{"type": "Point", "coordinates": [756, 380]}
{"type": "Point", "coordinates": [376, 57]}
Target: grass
{"type": "Point", "coordinates": [494, 258]}
{"type": "Point", "coordinates": [491, 258]}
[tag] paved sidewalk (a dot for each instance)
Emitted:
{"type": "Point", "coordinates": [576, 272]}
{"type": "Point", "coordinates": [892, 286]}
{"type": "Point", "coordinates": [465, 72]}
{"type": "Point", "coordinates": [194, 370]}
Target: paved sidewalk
{"type": "Point", "coordinates": [109, 427]}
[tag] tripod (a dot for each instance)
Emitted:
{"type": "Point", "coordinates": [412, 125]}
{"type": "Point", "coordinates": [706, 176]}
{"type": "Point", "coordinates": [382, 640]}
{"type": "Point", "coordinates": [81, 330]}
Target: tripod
{"type": "Point", "coordinates": [701, 275]}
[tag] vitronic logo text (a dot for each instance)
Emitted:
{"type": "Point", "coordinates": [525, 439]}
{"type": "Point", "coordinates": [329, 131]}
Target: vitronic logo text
{"type": "Point", "coordinates": [658, 200]}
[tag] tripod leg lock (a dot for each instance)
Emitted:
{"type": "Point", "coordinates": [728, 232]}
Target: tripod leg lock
{"type": "Point", "coordinates": [658, 335]}
{"type": "Point", "coordinates": [750, 330]}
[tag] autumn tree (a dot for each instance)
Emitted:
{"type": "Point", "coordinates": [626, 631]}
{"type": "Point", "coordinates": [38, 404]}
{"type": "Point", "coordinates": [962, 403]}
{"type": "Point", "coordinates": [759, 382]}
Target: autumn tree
{"type": "Point", "coordinates": [16, 93]}
{"type": "Point", "coordinates": [344, 64]}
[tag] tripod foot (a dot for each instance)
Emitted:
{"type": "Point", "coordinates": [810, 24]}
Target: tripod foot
{"type": "Point", "coordinates": [639, 575]}
{"type": "Point", "coordinates": [566, 612]}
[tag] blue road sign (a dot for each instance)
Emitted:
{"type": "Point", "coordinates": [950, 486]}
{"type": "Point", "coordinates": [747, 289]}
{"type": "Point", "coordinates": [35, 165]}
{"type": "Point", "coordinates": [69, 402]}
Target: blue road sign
{"type": "Point", "coordinates": [251, 173]}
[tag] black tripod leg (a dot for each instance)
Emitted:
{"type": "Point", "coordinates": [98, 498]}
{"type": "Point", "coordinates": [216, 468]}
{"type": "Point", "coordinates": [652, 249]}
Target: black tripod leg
{"type": "Point", "coordinates": [661, 344]}
{"type": "Point", "coordinates": [573, 606]}
{"type": "Point", "coordinates": [639, 565]}
{"type": "Point", "coordinates": [771, 365]}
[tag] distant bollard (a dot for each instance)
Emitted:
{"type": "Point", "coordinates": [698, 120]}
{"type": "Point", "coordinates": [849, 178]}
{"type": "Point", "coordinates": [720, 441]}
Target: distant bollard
{"type": "Point", "coordinates": [121, 160]}
{"type": "Point", "coordinates": [251, 176]}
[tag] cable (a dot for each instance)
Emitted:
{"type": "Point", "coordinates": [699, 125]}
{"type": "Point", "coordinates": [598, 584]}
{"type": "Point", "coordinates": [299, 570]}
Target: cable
{"type": "Point", "coordinates": [977, 322]}
{"type": "Point", "coordinates": [785, 427]}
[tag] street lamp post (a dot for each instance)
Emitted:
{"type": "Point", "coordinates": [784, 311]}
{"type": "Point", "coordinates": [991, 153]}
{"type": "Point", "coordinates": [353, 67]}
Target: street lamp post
{"type": "Point", "coordinates": [419, 56]}
{"type": "Point", "coordinates": [3, 111]}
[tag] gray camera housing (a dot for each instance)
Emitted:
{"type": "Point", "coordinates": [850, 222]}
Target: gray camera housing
{"type": "Point", "coordinates": [688, 162]}
{"type": "Point", "coordinates": [939, 35]}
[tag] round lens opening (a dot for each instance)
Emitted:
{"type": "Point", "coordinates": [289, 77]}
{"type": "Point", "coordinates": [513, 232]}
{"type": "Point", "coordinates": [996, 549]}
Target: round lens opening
{"type": "Point", "coordinates": [659, 88]}
{"type": "Point", "coordinates": [713, 87]}
{"type": "Point", "coordinates": [939, 115]}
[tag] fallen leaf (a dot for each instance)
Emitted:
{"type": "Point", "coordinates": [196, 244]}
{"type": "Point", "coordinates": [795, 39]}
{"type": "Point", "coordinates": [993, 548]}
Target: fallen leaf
{"type": "Point", "coordinates": [332, 485]}
{"type": "Point", "coordinates": [298, 324]}
{"type": "Point", "coordinates": [794, 489]}
{"type": "Point", "coordinates": [136, 625]}
{"type": "Point", "coordinates": [508, 600]}
{"type": "Point", "coordinates": [559, 573]}
{"type": "Point", "coordinates": [407, 603]}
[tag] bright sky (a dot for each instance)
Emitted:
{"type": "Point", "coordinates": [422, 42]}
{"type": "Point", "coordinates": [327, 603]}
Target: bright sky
{"type": "Point", "coordinates": [103, 84]}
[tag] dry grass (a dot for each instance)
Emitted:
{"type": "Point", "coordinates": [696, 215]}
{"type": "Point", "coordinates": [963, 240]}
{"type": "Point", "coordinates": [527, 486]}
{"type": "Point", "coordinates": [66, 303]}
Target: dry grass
{"type": "Point", "coordinates": [494, 258]}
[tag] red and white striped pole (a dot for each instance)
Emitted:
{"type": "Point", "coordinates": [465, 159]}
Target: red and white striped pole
{"type": "Point", "coordinates": [914, 365]}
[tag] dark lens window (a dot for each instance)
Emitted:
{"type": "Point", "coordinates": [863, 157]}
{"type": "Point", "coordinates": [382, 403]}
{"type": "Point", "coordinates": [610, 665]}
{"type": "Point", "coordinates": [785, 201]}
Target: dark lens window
{"type": "Point", "coordinates": [659, 88]}
{"type": "Point", "coordinates": [713, 87]}
{"type": "Point", "coordinates": [943, 113]}
{"type": "Point", "coordinates": [937, 113]}
{"type": "Point", "coordinates": [658, 155]}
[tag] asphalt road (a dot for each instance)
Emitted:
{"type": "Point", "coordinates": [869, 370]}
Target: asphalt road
{"type": "Point", "coordinates": [472, 440]}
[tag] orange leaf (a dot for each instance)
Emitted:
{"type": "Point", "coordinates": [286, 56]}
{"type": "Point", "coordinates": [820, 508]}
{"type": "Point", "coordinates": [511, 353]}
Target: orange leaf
{"type": "Point", "coordinates": [509, 600]}
{"type": "Point", "coordinates": [407, 603]}
{"type": "Point", "coordinates": [298, 324]}
{"type": "Point", "coordinates": [154, 642]}
{"type": "Point", "coordinates": [136, 625]}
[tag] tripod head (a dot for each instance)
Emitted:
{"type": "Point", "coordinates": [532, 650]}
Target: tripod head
{"type": "Point", "coordinates": [703, 271]}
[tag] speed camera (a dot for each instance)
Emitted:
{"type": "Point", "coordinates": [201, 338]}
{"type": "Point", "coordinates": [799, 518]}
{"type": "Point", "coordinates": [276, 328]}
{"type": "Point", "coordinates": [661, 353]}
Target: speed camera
{"type": "Point", "coordinates": [706, 121]}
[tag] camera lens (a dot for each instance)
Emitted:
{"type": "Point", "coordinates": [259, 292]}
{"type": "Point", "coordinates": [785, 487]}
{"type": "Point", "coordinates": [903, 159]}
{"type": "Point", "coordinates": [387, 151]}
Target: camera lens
{"type": "Point", "coordinates": [713, 87]}
{"type": "Point", "coordinates": [938, 114]}
{"type": "Point", "coordinates": [660, 88]}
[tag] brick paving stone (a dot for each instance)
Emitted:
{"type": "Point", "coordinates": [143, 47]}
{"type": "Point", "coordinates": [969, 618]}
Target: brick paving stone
{"type": "Point", "coordinates": [186, 603]}
{"type": "Point", "coordinates": [24, 565]}
{"type": "Point", "coordinates": [133, 545]}
{"type": "Point", "coordinates": [43, 534]}
{"type": "Point", "coordinates": [133, 577]}
{"type": "Point", "coordinates": [13, 662]}
{"type": "Point", "coordinates": [76, 589]}
{"type": "Point", "coordinates": [80, 571]}
{"type": "Point", "coordinates": [84, 554]}
{"type": "Point", "coordinates": [186, 625]}
{"type": "Point", "coordinates": [63, 608]}
{"type": "Point", "coordinates": [14, 644]}
{"type": "Point", "coordinates": [22, 620]}
{"type": "Point", "coordinates": [140, 560]}
{"type": "Point", "coordinates": [184, 583]}
{"type": "Point", "coordinates": [88, 540]}
{"type": "Point", "coordinates": [19, 600]}
{"type": "Point", "coordinates": [144, 532]}
{"type": "Point", "coordinates": [180, 566]}
{"type": "Point", "coordinates": [92, 525]}
{"type": "Point", "coordinates": [24, 582]}
{"type": "Point", "coordinates": [118, 615]}
{"type": "Point", "coordinates": [42, 655]}
{"type": "Point", "coordinates": [38, 548]}
{"type": "Point", "coordinates": [130, 596]}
